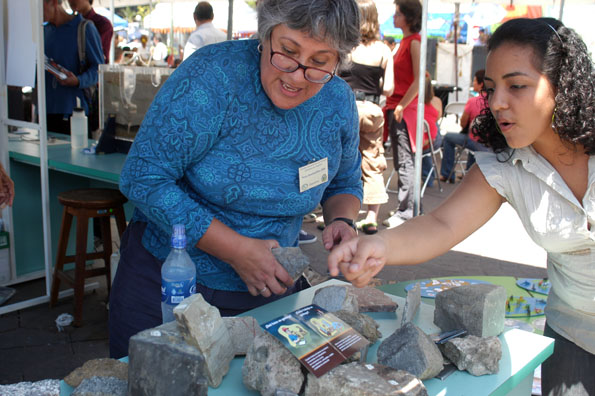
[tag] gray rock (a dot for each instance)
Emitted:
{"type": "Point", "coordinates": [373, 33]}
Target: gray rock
{"type": "Point", "coordinates": [370, 299]}
{"type": "Point", "coordinates": [48, 387]}
{"type": "Point", "coordinates": [478, 308]}
{"type": "Point", "coordinates": [336, 298]}
{"type": "Point", "coordinates": [202, 327]}
{"type": "Point", "coordinates": [292, 259]}
{"type": "Point", "coordinates": [361, 323]}
{"type": "Point", "coordinates": [355, 379]}
{"type": "Point", "coordinates": [101, 386]}
{"type": "Point", "coordinates": [269, 366]}
{"type": "Point", "coordinates": [479, 356]}
{"type": "Point", "coordinates": [412, 350]}
{"type": "Point", "coordinates": [242, 331]}
{"type": "Point", "coordinates": [161, 363]}
{"type": "Point", "coordinates": [97, 368]}
{"type": "Point", "coordinates": [411, 304]}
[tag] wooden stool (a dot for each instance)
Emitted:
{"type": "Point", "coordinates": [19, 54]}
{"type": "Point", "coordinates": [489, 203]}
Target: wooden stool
{"type": "Point", "coordinates": [85, 204]}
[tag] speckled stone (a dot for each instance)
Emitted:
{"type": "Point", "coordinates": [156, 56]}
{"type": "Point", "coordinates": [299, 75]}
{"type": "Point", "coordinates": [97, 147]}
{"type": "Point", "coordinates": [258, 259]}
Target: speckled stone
{"type": "Point", "coordinates": [98, 368]}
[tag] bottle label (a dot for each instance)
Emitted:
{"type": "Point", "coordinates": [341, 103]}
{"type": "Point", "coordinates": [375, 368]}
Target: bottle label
{"type": "Point", "coordinates": [173, 293]}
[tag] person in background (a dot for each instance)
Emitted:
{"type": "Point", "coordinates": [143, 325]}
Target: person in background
{"type": "Point", "coordinates": [103, 25]}
{"type": "Point", "coordinates": [159, 50]}
{"type": "Point", "coordinates": [60, 39]}
{"type": "Point", "coordinates": [6, 188]}
{"type": "Point", "coordinates": [206, 33]}
{"type": "Point", "coordinates": [402, 133]}
{"type": "Point", "coordinates": [390, 43]}
{"type": "Point", "coordinates": [370, 76]}
{"type": "Point", "coordinates": [465, 138]}
{"type": "Point", "coordinates": [540, 86]}
{"type": "Point", "coordinates": [431, 114]}
{"type": "Point", "coordinates": [242, 140]}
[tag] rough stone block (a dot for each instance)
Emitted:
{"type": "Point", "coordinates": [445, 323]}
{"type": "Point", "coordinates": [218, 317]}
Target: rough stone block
{"type": "Point", "coordinates": [242, 331]}
{"type": "Point", "coordinates": [336, 298]}
{"type": "Point", "coordinates": [269, 367]}
{"type": "Point", "coordinates": [161, 363]}
{"type": "Point", "coordinates": [478, 308]}
{"type": "Point", "coordinates": [370, 299]}
{"type": "Point", "coordinates": [97, 368]}
{"type": "Point", "coordinates": [411, 304]}
{"type": "Point", "coordinates": [479, 356]}
{"type": "Point", "coordinates": [101, 386]}
{"type": "Point", "coordinates": [412, 350]}
{"type": "Point", "coordinates": [48, 387]}
{"type": "Point", "coordinates": [361, 323]}
{"type": "Point", "coordinates": [355, 379]}
{"type": "Point", "coordinates": [201, 326]}
{"type": "Point", "coordinates": [292, 259]}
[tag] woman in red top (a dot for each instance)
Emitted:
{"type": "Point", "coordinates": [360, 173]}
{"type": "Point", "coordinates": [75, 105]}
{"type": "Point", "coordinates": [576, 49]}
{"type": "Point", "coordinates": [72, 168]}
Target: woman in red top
{"type": "Point", "coordinates": [406, 67]}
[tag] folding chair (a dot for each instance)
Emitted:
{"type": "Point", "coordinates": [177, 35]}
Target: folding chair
{"type": "Point", "coordinates": [432, 154]}
{"type": "Point", "coordinates": [455, 108]}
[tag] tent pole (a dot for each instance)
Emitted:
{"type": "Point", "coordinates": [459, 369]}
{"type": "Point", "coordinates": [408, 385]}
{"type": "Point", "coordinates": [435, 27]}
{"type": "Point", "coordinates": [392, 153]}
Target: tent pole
{"type": "Point", "coordinates": [113, 42]}
{"type": "Point", "coordinates": [561, 10]}
{"type": "Point", "coordinates": [420, 110]}
{"type": "Point", "coordinates": [230, 20]}
{"type": "Point", "coordinates": [456, 68]}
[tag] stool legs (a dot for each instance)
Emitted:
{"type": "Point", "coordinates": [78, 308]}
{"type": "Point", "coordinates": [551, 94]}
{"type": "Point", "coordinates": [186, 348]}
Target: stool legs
{"type": "Point", "coordinates": [61, 256]}
{"type": "Point", "coordinates": [106, 237]}
{"type": "Point", "coordinates": [82, 229]}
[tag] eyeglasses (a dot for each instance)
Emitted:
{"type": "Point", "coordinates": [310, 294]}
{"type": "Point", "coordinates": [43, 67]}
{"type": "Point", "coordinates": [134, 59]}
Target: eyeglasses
{"type": "Point", "coordinates": [287, 64]}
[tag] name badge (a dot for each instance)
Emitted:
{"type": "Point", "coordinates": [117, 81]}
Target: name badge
{"type": "Point", "coordinates": [313, 174]}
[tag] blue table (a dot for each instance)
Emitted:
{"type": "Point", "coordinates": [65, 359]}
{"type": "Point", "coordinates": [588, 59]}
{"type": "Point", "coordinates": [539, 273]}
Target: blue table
{"type": "Point", "coordinates": [522, 352]}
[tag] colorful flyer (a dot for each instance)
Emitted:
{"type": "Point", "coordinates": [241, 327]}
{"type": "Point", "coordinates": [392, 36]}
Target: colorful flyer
{"type": "Point", "coordinates": [541, 286]}
{"type": "Point", "coordinates": [319, 339]}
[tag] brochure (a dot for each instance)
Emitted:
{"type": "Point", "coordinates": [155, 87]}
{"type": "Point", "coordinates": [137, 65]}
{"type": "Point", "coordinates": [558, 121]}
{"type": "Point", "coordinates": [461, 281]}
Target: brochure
{"type": "Point", "coordinates": [319, 339]}
{"type": "Point", "coordinates": [55, 68]}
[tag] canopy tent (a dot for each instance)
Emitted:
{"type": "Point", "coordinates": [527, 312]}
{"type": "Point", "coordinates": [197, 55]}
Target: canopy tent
{"type": "Point", "coordinates": [119, 22]}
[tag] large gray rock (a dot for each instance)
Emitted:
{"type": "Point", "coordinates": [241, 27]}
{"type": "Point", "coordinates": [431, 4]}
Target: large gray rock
{"type": "Point", "coordinates": [48, 387]}
{"type": "Point", "coordinates": [242, 331]}
{"type": "Point", "coordinates": [361, 323]}
{"type": "Point", "coordinates": [161, 363]}
{"type": "Point", "coordinates": [335, 298]}
{"type": "Point", "coordinates": [411, 304]}
{"type": "Point", "coordinates": [98, 368]}
{"type": "Point", "coordinates": [479, 356]}
{"type": "Point", "coordinates": [478, 308]}
{"type": "Point", "coordinates": [370, 299]}
{"type": "Point", "coordinates": [201, 326]}
{"type": "Point", "coordinates": [292, 259]}
{"type": "Point", "coordinates": [412, 350]}
{"type": "Point", "coordinates": [355, 379]}
{"type": "Point", "coordinates": [101, 386]}
{"type": "Point", "coordinates": [269, 367]}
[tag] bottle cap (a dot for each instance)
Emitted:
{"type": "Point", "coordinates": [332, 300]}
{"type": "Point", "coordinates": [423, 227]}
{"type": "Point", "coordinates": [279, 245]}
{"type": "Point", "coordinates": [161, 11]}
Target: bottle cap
{"type": "Point", "coordinates": [178, 236]}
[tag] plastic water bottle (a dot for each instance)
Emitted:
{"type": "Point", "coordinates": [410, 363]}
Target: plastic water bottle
{"type": "Point", "coordinates": [78, 127]}
{"type": "Point", "coordinates": [178, 274]}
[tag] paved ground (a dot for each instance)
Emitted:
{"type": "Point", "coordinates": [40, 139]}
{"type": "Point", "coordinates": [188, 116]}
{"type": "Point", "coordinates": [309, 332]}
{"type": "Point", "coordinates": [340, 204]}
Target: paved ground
{"type": "Point", "coordinates": [33, 349]}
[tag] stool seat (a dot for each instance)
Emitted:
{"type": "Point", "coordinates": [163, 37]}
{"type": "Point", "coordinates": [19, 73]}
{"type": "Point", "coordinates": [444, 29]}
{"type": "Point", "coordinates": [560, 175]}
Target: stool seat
{"type": "Point", "coordinates": [85, 204]}
{"type": "Point", "coordinates": [92, 198]}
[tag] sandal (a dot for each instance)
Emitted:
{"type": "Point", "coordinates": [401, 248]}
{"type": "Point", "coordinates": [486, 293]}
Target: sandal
{"type": "Point", "coordinates": [368, 227]}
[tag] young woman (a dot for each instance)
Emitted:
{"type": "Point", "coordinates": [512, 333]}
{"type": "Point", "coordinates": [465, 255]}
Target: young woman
{"type": "Point", "coordinates": [540, 123]}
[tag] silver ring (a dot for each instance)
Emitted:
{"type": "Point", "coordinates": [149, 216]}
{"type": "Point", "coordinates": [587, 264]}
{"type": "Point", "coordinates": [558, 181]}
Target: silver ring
{"type": "Point", "coordinates": [263, 290]}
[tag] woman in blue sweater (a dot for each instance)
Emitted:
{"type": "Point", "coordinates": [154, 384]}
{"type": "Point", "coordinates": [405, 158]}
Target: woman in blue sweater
{"type": "Point", "coordinates": [244, 139]}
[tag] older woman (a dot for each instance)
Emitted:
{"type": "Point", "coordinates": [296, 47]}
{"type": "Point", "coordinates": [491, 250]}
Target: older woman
{"type": "Point", "coordinates": [243, 140]}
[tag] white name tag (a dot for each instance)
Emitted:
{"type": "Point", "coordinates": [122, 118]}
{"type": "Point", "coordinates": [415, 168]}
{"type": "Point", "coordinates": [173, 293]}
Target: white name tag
{"type": "Point", "coordinates": [313, 174]}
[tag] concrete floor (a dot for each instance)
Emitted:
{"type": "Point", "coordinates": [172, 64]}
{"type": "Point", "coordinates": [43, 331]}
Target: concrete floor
{"type": "Point", "coordinates": [33, 349]}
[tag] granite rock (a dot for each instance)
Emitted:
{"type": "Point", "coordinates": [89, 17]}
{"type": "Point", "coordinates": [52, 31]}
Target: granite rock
{"type": "Point", "coordinates": [202, 327]}
{"type": "Point", "coordinates": [269, 367]}
{"type": "Point", "coordinates": [48, 387]}
{"type": "Point", "coordinates": [411, 304]}
{"type": "Point", "coordinates": [101, 386]}
{"type": "Point", "coordinates": [478, 308]}
{"type": "Point", "coordinates": [370, 299]}
{"type": "Point", "coordinates": [97, 368]}
{"type": "Point", "coordinates": [335, 298]}
{"type": "Point", "coordinates": [361, 323]}
{"type": "Point", "coordinates": [242, 331]}
{"type": "Point", "coordinates": [412, 350]}
{"type": "Point", "coordinates": [355, 379]}
{"type": "Point", "coordinates": [161, 363]}
{"type": "Point", "coordinates": [479, 356]}
{"type": "Point", "coordinates": [292, 259]}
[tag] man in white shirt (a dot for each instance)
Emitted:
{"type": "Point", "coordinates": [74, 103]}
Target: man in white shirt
{"type": "Point", "coordinates": [206, 33]}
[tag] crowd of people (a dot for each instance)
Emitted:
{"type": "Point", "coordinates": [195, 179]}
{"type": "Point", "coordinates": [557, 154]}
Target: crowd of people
{"type": "Point", "coordinates": [224, 145]}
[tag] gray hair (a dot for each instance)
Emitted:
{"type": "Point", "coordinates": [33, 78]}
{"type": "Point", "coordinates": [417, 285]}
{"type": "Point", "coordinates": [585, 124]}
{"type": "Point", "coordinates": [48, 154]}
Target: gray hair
{"type": "Point", "coordinates": [335, 22]}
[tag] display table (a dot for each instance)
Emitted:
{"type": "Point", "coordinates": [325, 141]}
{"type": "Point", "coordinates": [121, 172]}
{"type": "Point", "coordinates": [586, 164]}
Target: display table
{"type": "Point", "coordinates": [68, 169]}
{"type": "Point", "coordinates": [522, 352]}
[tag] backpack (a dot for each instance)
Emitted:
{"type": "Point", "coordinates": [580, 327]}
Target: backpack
{"type": "Point", "coordinates": [90, 93]}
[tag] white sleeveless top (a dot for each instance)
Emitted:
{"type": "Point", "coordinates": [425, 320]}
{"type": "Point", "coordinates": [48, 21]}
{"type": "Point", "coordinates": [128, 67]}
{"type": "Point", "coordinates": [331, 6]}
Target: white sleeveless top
{"type": "Point", "coordinates": [556, 220]}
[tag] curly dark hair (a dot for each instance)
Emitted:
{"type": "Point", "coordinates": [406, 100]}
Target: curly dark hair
{"type": "Point", "coordinates": [562, 57]}
{"type": "Point", "coordinates": [412, 10]}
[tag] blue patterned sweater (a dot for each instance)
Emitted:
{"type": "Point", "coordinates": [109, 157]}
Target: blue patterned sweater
{"type": "Point", "coordinates": [213, 145]}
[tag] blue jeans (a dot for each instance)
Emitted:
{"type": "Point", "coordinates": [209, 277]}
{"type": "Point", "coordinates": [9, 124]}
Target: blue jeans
{"type": "Point", "coordinates": [450, 141]}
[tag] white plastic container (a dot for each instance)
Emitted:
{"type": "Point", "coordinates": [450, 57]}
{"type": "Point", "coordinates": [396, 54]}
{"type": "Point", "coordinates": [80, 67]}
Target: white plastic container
{"type": "Point", "coordinates": [78, 127]}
